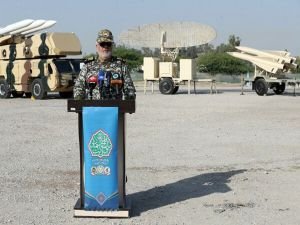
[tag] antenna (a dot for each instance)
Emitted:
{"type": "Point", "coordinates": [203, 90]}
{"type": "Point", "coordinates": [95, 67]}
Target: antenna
{"type": "Point", "coordinates": [177, 35]}
{"type": "Point", "coordinates": [169, 37]}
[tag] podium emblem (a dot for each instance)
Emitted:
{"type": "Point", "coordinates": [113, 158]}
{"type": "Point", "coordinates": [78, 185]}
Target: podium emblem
{"type": "Point", "coordinates": [100, 144]}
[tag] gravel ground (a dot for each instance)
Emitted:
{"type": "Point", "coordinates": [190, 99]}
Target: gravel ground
{"type": "Point", "coordinates": [192, 159]}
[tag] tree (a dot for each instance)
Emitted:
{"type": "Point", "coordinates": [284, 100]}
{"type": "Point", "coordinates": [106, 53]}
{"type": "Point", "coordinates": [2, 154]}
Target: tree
{"type": "Point", "coordinates": [194, 51]}
{"type": "Point", "coordinates": [230, 46]}
{"type": "Point", "coordinates": [90, 56]}
{"type": "Point", "coordinates": [234, 41]}
{"type": "Point", "coordinates": [147, 52]}
{"type": "Point", "coordinates": [222, 63]}
{"type": "Point", "coordinates": [218, 61]}
{"type": "Point", "coordinates": [133, 57]}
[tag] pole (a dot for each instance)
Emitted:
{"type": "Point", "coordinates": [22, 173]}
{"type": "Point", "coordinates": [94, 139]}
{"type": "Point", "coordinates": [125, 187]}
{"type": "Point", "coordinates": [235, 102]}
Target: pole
{"type": "Point", "coordinates": [242, 84]}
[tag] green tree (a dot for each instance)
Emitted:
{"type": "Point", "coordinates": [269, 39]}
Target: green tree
{"type": "Point", "coordinates": [194, 51]}
{"type": "Point", "coordinates": [133, 57]}
{"type": "Point", "coordinates": [230, 46]}
{"type": "Point", "coordinates": [147, 52]}
{"type": "Point", "coordinates": [218, 61]}
{"type": "Point", "coordinates": [222, 63]}
{"type": "Point", "coordinates": [234, 41]}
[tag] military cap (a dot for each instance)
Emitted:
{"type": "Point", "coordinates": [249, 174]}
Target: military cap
{"type": "Point", "coordinates": [105, 36]}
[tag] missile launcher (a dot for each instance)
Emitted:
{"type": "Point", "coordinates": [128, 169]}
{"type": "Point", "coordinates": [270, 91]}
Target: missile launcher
{"type": "Point", "coordinates": [270, 68]}
{"type": "Point", "coordinates": [36, 63]}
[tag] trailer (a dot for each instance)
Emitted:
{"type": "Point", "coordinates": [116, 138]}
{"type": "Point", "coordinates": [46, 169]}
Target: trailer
{"type": "Point", "coordinates": [271, 69]}
{"type": "Point", "coordinates": [169, 37]}
{"type": "Point", "coordinates": [171, 75]}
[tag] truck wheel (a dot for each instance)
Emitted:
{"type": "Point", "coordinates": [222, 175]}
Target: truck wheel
{"type": "Point", "coordinates": [4, 89]}
{"type": "Point", "coordinates": [17, 94]}
{"type": "Point", "coordinates": [68, 94]}
{"type": "Point", "coordinates": [166, 86]}
{"type": "Point", "coordinates": [175, 89]}
{"type": "Point", "coordinates": [37, 89]}
{"type": "Point", "coordinates": [279, 89]}
{"type": "Point", "coordinates": [261, 87]}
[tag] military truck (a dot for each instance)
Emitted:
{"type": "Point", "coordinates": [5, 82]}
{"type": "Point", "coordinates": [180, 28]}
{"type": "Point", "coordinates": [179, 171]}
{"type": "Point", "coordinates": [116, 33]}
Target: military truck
{"type": "Point", "coordinates": [35, 64]}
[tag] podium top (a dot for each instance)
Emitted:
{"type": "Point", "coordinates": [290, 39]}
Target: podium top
{"type": "Point", "coordinates": [125, 106]}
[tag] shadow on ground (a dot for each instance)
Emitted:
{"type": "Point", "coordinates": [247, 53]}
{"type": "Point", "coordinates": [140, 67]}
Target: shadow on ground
{"type": "Point", "coordinates": [193, 187]}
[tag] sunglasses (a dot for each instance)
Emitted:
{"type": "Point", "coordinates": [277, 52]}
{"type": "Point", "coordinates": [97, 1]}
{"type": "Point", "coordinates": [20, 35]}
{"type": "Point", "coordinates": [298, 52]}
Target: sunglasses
{"type": "Point", "coordinates": [105, 44]}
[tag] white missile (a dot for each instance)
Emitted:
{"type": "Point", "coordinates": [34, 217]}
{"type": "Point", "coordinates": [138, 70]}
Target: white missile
{"type": "Point", "coordinates": [280, 53]}
{"type": "Point", "coordinates": [47, 24]}
{"type": "Point", "coordinates": [256, 59]}
{"type": "Point", "coordinates": [276, 57]}
{"type": "Point", "coordinates": [291, 66]}
{"type": "Point", "coordinates": [35, 24]}
{"type": "Point", "coordinates": [15, 26]}
{"type": "Point", "coordinates": [263, 63]}
{"type": "Point", "coordinates": [283, 54]}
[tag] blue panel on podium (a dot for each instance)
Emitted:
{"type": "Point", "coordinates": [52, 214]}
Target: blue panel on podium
{"type": "Point", "coordinates": [100, 135]}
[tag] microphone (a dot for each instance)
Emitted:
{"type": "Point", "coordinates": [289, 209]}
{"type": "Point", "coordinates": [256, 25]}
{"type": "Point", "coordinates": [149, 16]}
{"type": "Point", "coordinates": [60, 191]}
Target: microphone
{"type": "Point", "coordinates": [100, 79]}
{"type": "Point", "coordinates": [108, 77]}
{"type": "Point", "coordinates": [104, 84]}
{"type": "Point", "coordinates": [117, 82]}
{"type": "Point", "coordinates": [91, 82]}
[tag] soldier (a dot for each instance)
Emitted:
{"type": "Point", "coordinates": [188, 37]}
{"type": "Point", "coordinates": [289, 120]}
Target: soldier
{"type": "Point", "coordinates": [105, 78]}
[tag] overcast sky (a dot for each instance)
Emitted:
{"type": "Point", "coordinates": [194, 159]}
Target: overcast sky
{"type": "Point", "coordinates": [263, 24]}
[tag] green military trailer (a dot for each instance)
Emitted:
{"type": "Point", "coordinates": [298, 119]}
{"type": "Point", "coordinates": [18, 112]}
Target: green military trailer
{"type": "Point", "coordinates": [35, 64]}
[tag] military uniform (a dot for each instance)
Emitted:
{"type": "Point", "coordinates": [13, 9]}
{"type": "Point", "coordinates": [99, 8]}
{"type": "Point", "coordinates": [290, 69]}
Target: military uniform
{"type": "Point", "coordinates": [104, 90]}
{"type": "Point", "coordinates": [104, 80]}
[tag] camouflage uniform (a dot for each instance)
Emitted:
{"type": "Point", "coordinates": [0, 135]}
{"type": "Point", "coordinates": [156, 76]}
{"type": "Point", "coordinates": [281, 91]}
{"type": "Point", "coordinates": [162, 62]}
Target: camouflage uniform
{"type": "Point", "coordinates": [104, 88]}
{"type": "Point", "coordinates": [81, 89]}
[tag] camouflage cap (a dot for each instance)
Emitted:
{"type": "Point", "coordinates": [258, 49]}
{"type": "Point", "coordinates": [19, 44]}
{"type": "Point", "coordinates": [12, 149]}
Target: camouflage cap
{"type": "Point", "coordinates": [105, 36]}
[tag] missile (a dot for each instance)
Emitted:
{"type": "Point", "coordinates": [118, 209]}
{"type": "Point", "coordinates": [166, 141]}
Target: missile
{"type": "Point", "coordinates": [254, 59]}
{"type": "Point", "coordinates": [279, 53]}
{"type": "Point", "coordinates": [291, 66]}
{"type": "Point", "coordinates": [276, 57]}
{"type": "Point", "coordinates": [283, 54]}
{"type": "Point", "coordinates": [47, 24]}
{"type": "Point", "coordinates": [15, 26]}
{"type": "Point", "coordinates": [263, 63]}
{"type": "Point", "coordinates": [35, 24]}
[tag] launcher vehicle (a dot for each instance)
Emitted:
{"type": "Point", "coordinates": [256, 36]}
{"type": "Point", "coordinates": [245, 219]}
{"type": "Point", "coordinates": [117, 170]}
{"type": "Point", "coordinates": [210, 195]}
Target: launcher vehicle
{"type": "Point", "coordinates": [271, 68]}
{"type": "Point", "coordinates": [35, 63]}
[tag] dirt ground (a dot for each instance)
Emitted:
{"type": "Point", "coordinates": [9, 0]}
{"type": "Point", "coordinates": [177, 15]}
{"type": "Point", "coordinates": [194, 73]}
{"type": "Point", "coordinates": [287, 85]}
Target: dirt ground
{"type": "Point", "coordinates": [225, 159]}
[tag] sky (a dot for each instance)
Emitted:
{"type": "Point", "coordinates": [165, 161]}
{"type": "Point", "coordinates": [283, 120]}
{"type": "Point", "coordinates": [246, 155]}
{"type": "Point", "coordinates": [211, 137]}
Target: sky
{"type": "Point", "coordinates": [261, 24]}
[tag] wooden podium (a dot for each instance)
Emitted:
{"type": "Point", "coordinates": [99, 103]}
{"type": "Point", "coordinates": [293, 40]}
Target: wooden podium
{"type": "Point", "coordinates": [124, 106]}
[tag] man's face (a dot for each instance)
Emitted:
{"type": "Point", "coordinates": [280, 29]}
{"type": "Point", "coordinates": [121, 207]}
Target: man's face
{"type": "Point", "coordinates": [104, 50]}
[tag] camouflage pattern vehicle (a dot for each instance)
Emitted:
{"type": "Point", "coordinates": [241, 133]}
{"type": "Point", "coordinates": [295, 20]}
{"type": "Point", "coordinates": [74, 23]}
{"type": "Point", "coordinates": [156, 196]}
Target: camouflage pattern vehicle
{"type": "Point", "coordinates": [36, 64]}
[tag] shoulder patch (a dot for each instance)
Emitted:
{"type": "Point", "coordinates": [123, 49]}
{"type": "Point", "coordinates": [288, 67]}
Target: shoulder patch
{"type": "Point", "coordinates": [89, 60]}
{"type": "Point", "coordinates": [90, 63]}
{"type": "Point", "coordinates": [119, 60]}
